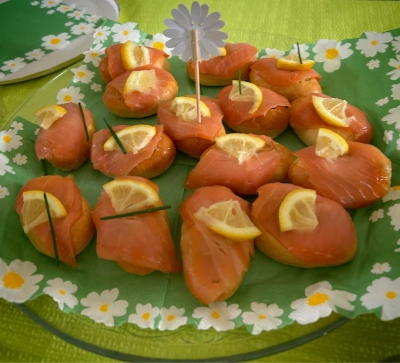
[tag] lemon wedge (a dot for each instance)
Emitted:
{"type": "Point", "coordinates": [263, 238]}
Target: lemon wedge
{"type": "Point", "coordinates": [185, 108]}
{"type": "Point", "coordinates": [48, 115]}
{"type": "Point", "coordinates": [141, 81]}
{"type": "Point", "coordinates": [134, 55]}
{"type": "Point", "coordinates": [332, 110]}
{"type": "Point", "coordinates": [292, 63]}
{"type": "Point", "coordinates": [249, 93]}
{"type": "Point", "coordinates": [330, 145]}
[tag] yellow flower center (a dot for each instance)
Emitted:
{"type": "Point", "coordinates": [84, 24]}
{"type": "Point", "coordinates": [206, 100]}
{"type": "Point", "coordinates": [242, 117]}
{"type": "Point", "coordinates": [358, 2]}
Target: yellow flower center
{"type": "Point", "coordinates": [99, 34]}
{"type": "Point", "coordinates": [13, 64]}
{"type": "Point", "coordinates": [81, 74]}
{"type": "Point", "coordinates": [171, 317]}
{"type": "Point", "coordinates": [7, 138]}
{"type": "Point", "coordinates": [374, 42]}
{"type": "Point", "coordinates": [159, 45]}
{"type": "Point", "coordinates": [273, 56]}
{"type": "Point", "coordinates": [62, 292]}
{"type": "Point", "coordinates": [215, 315]}
{"type": "Point", "coordinates": [13, 280]}
{"type": "Point", "coordinates": [146, 316]}
{"type": "Point", "coordinates": [317, 299]}
{"type": "Point", "coordinates": [331, 53]}
{"type": "Point", "coordinates": [67, 98]}
{"type": "Point", "coordinates": [391, 295]}
{"type": "Point", "coordinates": [261, 316]}
{"type": "Point", "coordinates": [398, 67]}
{"type": "Point", "coordinates": [126, 32]}
{"type": "Point", "coordinates": [104, 308]}
{"type": "Point", "coordinates": [55, 41]}
{"type": "Point", "coordinates": [94, 55]}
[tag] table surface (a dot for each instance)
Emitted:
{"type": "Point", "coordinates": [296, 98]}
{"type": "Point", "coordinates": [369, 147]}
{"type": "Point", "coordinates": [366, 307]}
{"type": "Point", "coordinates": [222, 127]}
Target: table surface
{"type": "Point", "coordinates": [365, 338]}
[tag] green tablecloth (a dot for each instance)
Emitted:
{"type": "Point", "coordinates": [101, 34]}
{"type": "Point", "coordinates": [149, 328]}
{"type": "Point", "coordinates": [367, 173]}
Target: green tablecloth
{"type": "Point", "coordinates": [264, 23]}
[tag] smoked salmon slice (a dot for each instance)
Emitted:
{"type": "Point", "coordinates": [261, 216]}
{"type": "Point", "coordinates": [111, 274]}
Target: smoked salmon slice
{"type": "Point", "coordinates": [355, 180]}
{"type": "Point", "coordinates": [332, 242]}
{"type": "Point", "coordinates": [213, 265]}
{"type": "Point", "coordinates": [140, 244]}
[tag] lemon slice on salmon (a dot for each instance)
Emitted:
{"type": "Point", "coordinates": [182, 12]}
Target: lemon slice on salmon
{"type": "Point", "coordinates": [134, 138]}
{"type": "Point", "coordinates": [228, 219]}
{"type": "Point", "coordinates": [34, 210]}
{"type": "Point", "coordinates": [141, 81]}
{"type": "Point", "coordinates": [240, 146]}
{"type": "Point", "coordinates": [297, 211]}
{"type": "Point", "coordinates": [330, 145]}
{"type": "Point", "coordinates": [247, 92]}
{"type": "Point", "coordinates": [185, 108]}
{"type": "Point", "coordinates": [128, 195]}
{"type": "Point", "coordinates": [134, 55]}
{"type": "Point", "coordinates": [332, 110]}
{"type": "Point", "coordinates": [292, 63]}
{"type": "Point", "coordinates": [49, 114]}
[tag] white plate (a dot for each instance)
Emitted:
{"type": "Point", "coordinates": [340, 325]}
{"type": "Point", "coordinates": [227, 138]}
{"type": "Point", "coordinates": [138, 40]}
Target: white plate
{"type": "Point", "coordinates": [73, 52]}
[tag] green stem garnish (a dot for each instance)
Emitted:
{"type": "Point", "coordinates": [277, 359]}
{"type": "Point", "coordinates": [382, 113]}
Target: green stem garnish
{"type": "Point", "coordinates": [240, 81]}
{"type": "Point", "coordinates": [142, 211]}
{"type": "Point", "coordinates": [298, 51]}
{"type": "Point", "coordinates": [84, 121]}
{"type": "Point", "coordinates": [114, 135]}
{"type": "Point", "coordinates": [44, 167]}
{"type": "Point", "coordinates": [53, 235]}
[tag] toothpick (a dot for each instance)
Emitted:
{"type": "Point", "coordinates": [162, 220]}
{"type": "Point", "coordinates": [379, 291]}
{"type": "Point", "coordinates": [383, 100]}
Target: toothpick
{"type": "Point", "coordinates": [298, 51]}
{"type": "Point", "coordinates": [53, 235]}
{"type": "Point", "coordinates": [142, 211]}
{"type": "Point", "coordinates": [195, 61]}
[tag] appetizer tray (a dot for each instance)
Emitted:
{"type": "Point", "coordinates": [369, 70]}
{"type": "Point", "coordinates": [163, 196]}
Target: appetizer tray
{"type": "Point", "coordinates": [370, 283]}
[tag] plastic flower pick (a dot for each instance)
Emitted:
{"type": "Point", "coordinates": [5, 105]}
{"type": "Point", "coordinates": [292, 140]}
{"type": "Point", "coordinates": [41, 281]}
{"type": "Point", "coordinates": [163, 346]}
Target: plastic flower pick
{"type": "Point", "coordinates": [195, 33]}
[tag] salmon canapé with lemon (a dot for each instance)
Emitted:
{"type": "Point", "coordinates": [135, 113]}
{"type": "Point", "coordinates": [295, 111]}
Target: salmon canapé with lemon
{"type": "Point", "coordinates": [224, 68]}
{"type": "Point", "coordinates": [149, 152]}
{"type": "Point", "coordinates": [139, 92]}
{"type": "Point", "coordinates": [216, 242]}
{"type": "Point", "coordinates": [286, 76]}
{"type": "Point", "coordinates": [191, 134]}
{"type": "Point", "coordinates": [65, 135]}
{"type": "Point", "coordinates": [120, 58]}
{"type": "Point", "coordinates": [320, 110]}
{"type": "Point", "coordinates": [353, 174]}
{"type": "Point", "coordinates": [241, 162]}
{"type": "Point", "coordinates": [69, 213]}
{"type": "Point", "coordinates": [140, 243]}
{"type": "Point", "coordinates": [248, 108]}
{"type": "Point", "coordinates": [301, 228]}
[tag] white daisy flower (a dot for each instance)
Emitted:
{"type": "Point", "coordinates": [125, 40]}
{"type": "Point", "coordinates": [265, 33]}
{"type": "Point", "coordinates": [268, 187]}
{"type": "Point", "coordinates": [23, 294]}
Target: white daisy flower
{"type": "Point", "coordinates": [77, 14]}
{"type": "Point", "coordinates": [380, 268]}
{"type": "Point", "coordinates": [101, 34]}
{"type": "Point", "coordinates": [96, 87]}
{"type": "Point", "coordinates": [172, 318]}
{"type": "Point", "coordinates": [102, 308]}
{"type": "Point", "coordinates": [54, 42]}
{"type": "Point", "coordinates": [125, 32]}
{"type": "Point", "coordinates": [82, 28]}
{"type": "Point", "coordinates": [82, 74]}
{"type": "Point", "coordinates": [70, 94]}
{"type": "Point", "coordinates": [396, 44]}
{"type": "Point", "coordinates": [397, 249]}
{"type": "Point", "coordinates": [19, 126]}
{"type": "Point", "coordinates": [398, 144]}
{"type": "Point", "coordinates": [34, 3]}
{"type": "Point", "coordinates": [51, 12]}
{"type": "Point", "coordinates": [62, 292]}
{"type": "Point", "coordinates": [9, 140]}
{"type": "Point", "coordinates": [395, 63]}
{"type": "Point", "coordinates": [20, 159]}
{"type": "Point", "coordinates": [262, 317]}
{"type": "Point", "coordinates": [303, 51]}
{"type": "Point", "coordinates": [394, 211]}
{"type": "Point", "coordinates": [384, 293]}
{"type": "Point", "coordinates": [4, 168]}
{"type": "Point", "coordinates": [17, 281]}
{"type": "Point", "coordinates": [218, 315]}
{"type": "Point", "coordinates": [376, 215]}
{"type": "Point", "coordinates": [94, 55]}
{"type": "Point", "coordinates": [35, 54]}
{"type": "Point", "coordinates": [273, 53]}
{"type": "Point", "coordinates": [320, 301]}
{"type": "Point", "coordinates": [387, 136]}
{"type": "Point", "coordinates": [145, 315]}
{"type": "Point", "coordinates": [331, 53]}
{"type": "Point", "coordinates": [374, 43]}
{"type": "Point", "coordinates": [382, 101]}
{"type": "Point", "coordinates": [37, 131]}
{"type": "Point", "coordinates": [49, 3]}
{"type": "Point", "coordinates": [373, 63]}
{"type": "Point", "coordinates": [70, 23]}
{"type": "Point", "coordinates": [393, 117]}
{"type": "Point", "coordinates": [13, 65]}
{"type": "Point", "coordinates": [65, 8]}
{"type": "Point", "coordinates": [4, 192]}
{"type": "Point", "coordinates": [396, 91]}
{"type": "Point", "coordinates": [392, 194]}
{"type": "Point", "coordinates": [92, 18]}
{"type": "Point", "coordinates": [158, 41]}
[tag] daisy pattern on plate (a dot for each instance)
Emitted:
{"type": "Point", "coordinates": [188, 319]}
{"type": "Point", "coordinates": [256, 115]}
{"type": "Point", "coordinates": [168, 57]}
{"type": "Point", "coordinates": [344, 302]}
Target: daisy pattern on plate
{"type": "Point", "coordinates": [383, 293]}
{"type": "Point", "coordinates": [158, 41]}
{"type": "Point", "coordinates": [13, 65]}
{"type": "Point", "coordinates": [376, 215]}
{"type": "Point", "coordinates": [9, 140]}
{"type": "Point", "coordinates": [145, 316]}
{"type": "Point", "coordinates": [102, 308]}
{"type": "Point", "coordinates": [397, 249]}
{"type": "Point", "coordinates": [70, 94]}
{"type": "Point", "coordinates": [388, 136]}
{"type": "Point", "coordinates": [92, 18]}
{"type": "Point", "coordinates": [63, 8]}
{"type": "Point", "coordinates": [217, 315]}
{"type": "Point", "coordinates": [19, 126]}
{"type": "Point", "coordinates": [20, 159]}
{"type": "Point", "coordinates": [382, 101]}
{"type": "Point", "coordinates": [396, 91]}
{"type": "Point", "coordinates": [17, 281]}
{"type": "Point", "coordinates": [373, 63]}
{"type": "Point", "coordinates": [62, 292]}
{"type": "Point", "coordinates": [49, 3]}
{"type": "Point", "coordinates": [374, 43]}
{"type": "Point", "coordinates": [303, 51]}
{"type": "Point", "coordinates": [82, 74]}
{"type": "Point", "coordinates": [380, 268]}
{"type": "Point", "coordinates": [320, 301]}
{"type": "Point", "coordinates": [93, 54]}
{"type": "Point", "coordinates": [172, 318]}
{"type": "Point", "coordinates": [396, 44]}
{"type": "Point", "coordinates": [262, 317]}
{"type": "Point", "coordinates": [96, 87]}
{"type": "Point", "coordinates": [392, 194]}
{"type": "Point", "coordinates": [4, 168]}
{"type": "Point", "coordinates": [77, 14]}
{"type": "Point", "coordinates": [331, 53]}
{"type": "Point", "coordinates": [34, 3]}
{"type": "Point", "coordinates": [273, 53]}
{"type": "Point", "coordinates": [51, 12]}
{"type": "Point", "coordinates": [394, 212]}
{"type": "Point", "coordinates": [54, 42]}
{"type": "Point", "coordinates": [101, 34]}
{"type": "Point", "coordinates": [395, 63]}
{"type": "Point", "coordinates": [82, 28]}
{"type": "Point", "coordinates": [125, 32]}
{"type": "Point", "coordinates": [393, 117]}
{"type": "Point", "coordinates": [4, 192]}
